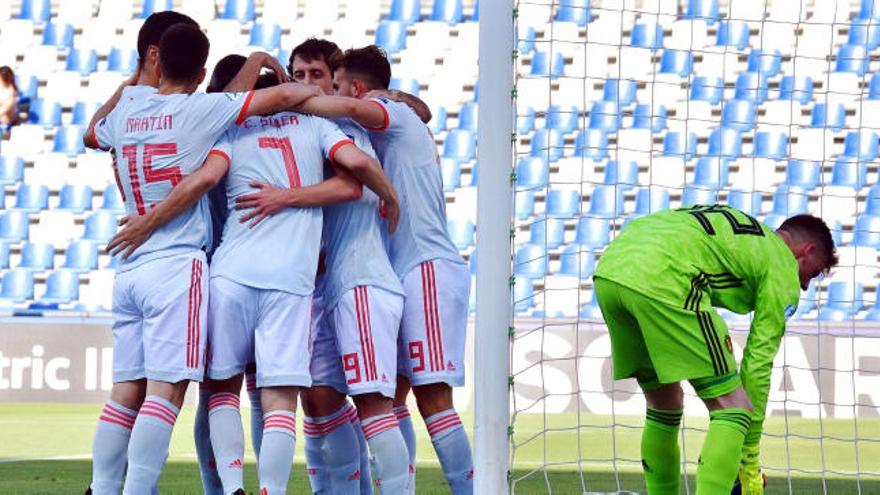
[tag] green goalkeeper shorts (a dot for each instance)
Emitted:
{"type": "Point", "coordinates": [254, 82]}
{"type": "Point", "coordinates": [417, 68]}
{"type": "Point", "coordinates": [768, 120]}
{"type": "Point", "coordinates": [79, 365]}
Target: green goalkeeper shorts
{"type": "Point", "coordinates": [658, 343]}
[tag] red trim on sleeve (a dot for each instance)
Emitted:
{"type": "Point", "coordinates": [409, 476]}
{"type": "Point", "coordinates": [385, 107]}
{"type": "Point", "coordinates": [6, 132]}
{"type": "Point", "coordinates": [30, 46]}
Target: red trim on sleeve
{"type": "Point", "coordinates": [220, 153]}
{"type": "Point", "coordinates": [94, 137]}
{"type": "Point", "coordinates": [336, 147]}
{"type": "Point", "coordinates": [244, 107]}
{"type": "Point", "coordinates": [387, 121]}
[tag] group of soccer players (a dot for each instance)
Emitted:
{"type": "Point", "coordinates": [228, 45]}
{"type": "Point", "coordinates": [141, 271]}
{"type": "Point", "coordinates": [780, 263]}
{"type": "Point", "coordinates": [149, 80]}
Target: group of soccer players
{"type": "Point", "coordinates": [252, 248]}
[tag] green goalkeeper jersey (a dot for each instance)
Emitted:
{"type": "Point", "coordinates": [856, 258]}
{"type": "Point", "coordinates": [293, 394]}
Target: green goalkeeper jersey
{"type": "Point", "coordinates": [714, 255]}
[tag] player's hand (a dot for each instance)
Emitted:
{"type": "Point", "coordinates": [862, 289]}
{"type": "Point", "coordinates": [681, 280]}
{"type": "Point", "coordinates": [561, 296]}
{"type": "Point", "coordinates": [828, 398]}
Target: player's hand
{"type": "Point", "coordinates": [136, 229]}
{"type": "Point", "coordinates": [751, 481]}
{"type": "Point", "coordinates": [267, 201]}
{"type": "Point", "coordinates": [271, 63]}
{"type": "Point", "coordinates": [390, 210]}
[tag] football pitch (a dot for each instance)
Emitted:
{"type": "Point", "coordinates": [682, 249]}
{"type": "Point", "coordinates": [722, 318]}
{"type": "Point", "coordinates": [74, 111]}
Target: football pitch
{"type": "Point", "coordinates": [44, 449]}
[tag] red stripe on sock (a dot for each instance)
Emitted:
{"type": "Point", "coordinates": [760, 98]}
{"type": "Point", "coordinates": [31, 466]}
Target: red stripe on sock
{"type": "Point", "coordinates": [323, 428]}
{"type": "Point", "coordinates": [124, 424]}
{"type": "Point", "coordinates": [224, 399]}
{"type": "Point", "coordinates": [442, 424]}
{"type": "Point", "coordinates": [127, 414]}
{"type": "Point", "coordinates": [377, 426]}
{"type": "Point", "coordinates": [158, 414]}
{"type": "Point", "coordinates": [352, 414]}
{"type": "Point", "coordinates": [402, 412]}
{"type": "Point", "coordinates": [119, 419]}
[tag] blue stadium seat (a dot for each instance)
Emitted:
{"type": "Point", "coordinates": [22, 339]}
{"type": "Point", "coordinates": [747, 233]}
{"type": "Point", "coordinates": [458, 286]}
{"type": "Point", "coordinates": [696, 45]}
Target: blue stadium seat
{"type": "Point", "coordinates": [406, 84]}
{"type": "Point", "coordinates": [266, 36]}
{"type": "Point", "coordinates": [562, 118]}
{"type": "Point", "coordinates": [872, 206]}
{"type": "Point", "coordinates": [27, 86]}
{"type": "Point", "coordinates": [14, 225]}
{"type": "Point", "coordinates": [864, 33]}
{"type": "Point", "coordinates": [82, 60]}
{"type": "Point", "coordinates": [475, 17]}
{"type": "Point", "coordinates": [47, 113]}
{"type": "Point", "coordinates": [283, 56]}
{"type": "Point", "coordinates": [543, 65]}
{"type": "Point", "coordinates": [620, 91]}
{"type": "Point", "coordinates": [460, 144]}
{"type": "Point", "coordinates": [62, 286]}
{"type": "Point", "coordinates": [548, 232]}
{"type": "Point", "coordinates": [11, 170]}
{"type": "Point", "coordinates": [591, 143]}
{"type": "Point", "coordinates": [733, 33]}
{"type": "Point", "coordinates": [675, 144]}
{"type": "Point", "coordinates": [75, 198]}
{"type": "Point", "coordinates": [647, 36]}
{"type": "Point", "coordinates": [702, 9]}
{"type": "Point", "coordinates": [698, 196]}
{"type": "Point", "coordinates": [563, 203]}
{"type": "Point", "coordinates": [450, 170]}
{"type": "Point", "coordinates": [81, 256]}
{"type": "Point", "coordinates": [725, 142]}
{"type": "Point", "coordinates": [58, 35]}
{"type": "Point", "coordinates": [861, 145]}
{"type": "Point", "coordinates": [83, 111]}
{"type": "Point", "coordinates": [111, 200]}
{"type": "Point", "coordinates": [36, 10]}
{"type": "Point", "coordinates": [678, 62]}
{"type": "Point", "coordinates": [593, 232]}
{"type": "Point", "coordinates": [448, 11]}
{"type": "Point", "coordinates": [869, 9]}
{"type": "Point", "coordinates": [532, 172]}
{"type": "Point", "coordinates": [100, 226]}
{"type": "Point", "coordinates": [18, 285]}
{"type": "Point", "coordinates": [391, 36]}
{"type": "Point", "coordinates": [711, 172]}
{"type": "Point", "coordinates": [770, 144]}
{"type": "Point", "coordinates": [577, 11]}
{"type": "Point", "coordinates": [151, 6]}
{"type": "Point", "coordinates": [605, 115]}
{"type": "Point", "coordinates": [576, 262]}
{"type": "Point", "coordinates": [475, 174]}
{"type": "Point", "coordinates": [646, 117]}
{"type": "Point", "coordinates": [843, 296]}
{"type": "Point", "coordinates": [467, 116]}
{"type": "Point", "coordinates": [69, 139]}
{"type": "Point", "coordinates": [803, 174]}
{"type": "Point", "coordinates": [523, 204]}
{"type": "Point", "coordinates": [4, 255]}
{"type": "Point", "coordinates": [548, 143]}
{"type": "Point", "coordinates": [874, 87]}
{"type": "Point", "coordinates": [867, 231]}
{"type": "Point", "coordinates": [525, 122]}
{"type": "Point", "coordinates": [849, 172]}
{"type": "Point", "coordinates": [461, 232]}
{"type": "Point", "coordinates": [32, 197]}
{"type": "Point", "coordinates": [651, 200]}
{"type": "Point", "coordinates": [531, 261]}
{"type": "Point", "coordinates": [796, 88]}
{"type": "Point", "coordinates": [37, 256]}
{"type": "Point", "coordinates": [833, 117]}
{"type": "Point", "coordinates": [607, 201]}
{"type": "Point", "coordinates": [523, 295]}
{"type": "Point", "coordinates": [122, 60]}
{"type": "Point", "coordinates": [752, 86]}
{"type": "Point", "coordinates": [439, 117]}
{"type": "Point", "coordinates": [240, 10]}
{"type": "Point", "coordinates": [790, 201]}
{"type": "Point", "coordinates": [766, 62]}
{"type": "Point", "coordinates": [739, 114]}
{"type": "Point", "coordinates": [852, 58]}
{"type": "Point", "coordinates": [591, 310]}
{"type": "Point", "coordinates": [622, 173]}
{"type": "Point", "coordinates": [710, 89]}
{"type": "Point", "coordinates": [406, 11]}
{"type": "Point", "coordinates": [526, 40]}
{"type": "Point", "coordinates": [748, 202]}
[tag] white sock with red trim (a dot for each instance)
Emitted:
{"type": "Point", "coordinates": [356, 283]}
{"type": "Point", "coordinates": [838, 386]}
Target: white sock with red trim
{"type": "Point", "coordinates": [388, 449]}
{"type": "Point", "coordinates": [364, 451]}
{"type": "Point", "coordinates": [211, 483]}
{"type": "Point", "coordinates": [409, 436]}
{"type": "Point", "coordinates": [256, 411]}
{"type": "Point", "coordinates": [453, 449]}
{"type": "Point", "coordinates": [110, 448]}
{"type": "Point", "coordinates": [148, 447]}
{"type": "Point", "coordinates": [227, 439]}
{"type": "Point", "coordinates": [332, 455]}
{"type": "Point", "coordinates": [276, 453]}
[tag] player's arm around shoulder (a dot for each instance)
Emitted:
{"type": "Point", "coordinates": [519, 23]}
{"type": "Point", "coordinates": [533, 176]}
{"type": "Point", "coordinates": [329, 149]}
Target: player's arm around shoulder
{"type": "Point", "coordinates": [371, 114]}
{"type": "Point", "coordinates": [368, 171]}
{"type": "Point", "coordinates": [282, 97]}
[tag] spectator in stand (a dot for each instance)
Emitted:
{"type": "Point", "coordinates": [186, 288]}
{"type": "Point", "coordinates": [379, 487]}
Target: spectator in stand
{"type": "Point", "coordinates": [8, 97]}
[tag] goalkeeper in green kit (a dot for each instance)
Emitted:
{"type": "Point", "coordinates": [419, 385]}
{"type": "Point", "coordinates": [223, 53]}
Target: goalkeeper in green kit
{"type": "Point", "coordinates": [657, 284]}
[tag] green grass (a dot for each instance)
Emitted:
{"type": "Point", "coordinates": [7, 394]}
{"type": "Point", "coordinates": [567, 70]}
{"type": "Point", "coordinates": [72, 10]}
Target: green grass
{"type": "Point", "coordinates": [44, 449]}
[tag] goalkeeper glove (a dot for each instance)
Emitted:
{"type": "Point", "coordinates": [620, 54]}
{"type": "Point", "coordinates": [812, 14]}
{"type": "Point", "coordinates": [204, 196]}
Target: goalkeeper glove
{"type": "Point", "coordinates": [750, 480]}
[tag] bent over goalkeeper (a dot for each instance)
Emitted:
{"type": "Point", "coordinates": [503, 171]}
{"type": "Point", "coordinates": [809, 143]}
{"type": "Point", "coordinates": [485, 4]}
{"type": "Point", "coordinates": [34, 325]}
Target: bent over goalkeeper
{"type": "Point", "coordinates": [657, 284]}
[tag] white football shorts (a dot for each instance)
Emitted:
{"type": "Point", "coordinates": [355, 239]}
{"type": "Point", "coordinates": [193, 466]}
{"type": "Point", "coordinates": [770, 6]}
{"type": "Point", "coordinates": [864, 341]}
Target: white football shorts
{"type": "Point", "coordinates": [326, 367]}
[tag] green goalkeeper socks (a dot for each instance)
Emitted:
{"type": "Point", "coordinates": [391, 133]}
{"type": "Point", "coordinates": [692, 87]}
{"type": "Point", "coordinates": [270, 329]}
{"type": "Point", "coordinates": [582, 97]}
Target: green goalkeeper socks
{"type": "Point", "coordinates": [719, 459]}
{"type": "Point", "coordinates": [660, 453]}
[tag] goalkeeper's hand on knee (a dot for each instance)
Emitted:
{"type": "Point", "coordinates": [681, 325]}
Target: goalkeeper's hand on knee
{"type": "Point", "coordinates": [750, 480]}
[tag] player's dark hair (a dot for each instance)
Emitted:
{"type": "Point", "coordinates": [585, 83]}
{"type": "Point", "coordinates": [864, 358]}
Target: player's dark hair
{"type": "Point", "coordinates": [155, 26]}
{"type": "Point", "coordinates": [316, 49]}
{"type": "Point", "coordinates": [224, 72]}
{"type": "Point", "coordinates": [183, 51]}
{"type": "Point", "coordinates": [369, 64]}
{"type": "Point", "coordinates": [808, 227]}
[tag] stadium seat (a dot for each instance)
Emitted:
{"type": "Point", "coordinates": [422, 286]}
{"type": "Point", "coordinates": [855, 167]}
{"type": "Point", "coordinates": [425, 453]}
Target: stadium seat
{"type": "Point", "coordinates": [799, 89]}
{"type": "Point", "coordinates": [81, 256]}
{"type": "Point", "coordinates": [803, 174]}
{"type": "Point", "coordinates": [678, 62]}
{"type": "Point", "coordinates": [450, 171]}
{"type": "Point", "coordinates": [32, 197]}
{"type": "Point", "coordinates": [461, 232]}
{"type": "Point", "coordinates": [771, 144]}
{"type": "Point", "coordinates": [648, 35]}
{"type": "Point", "coordinates": [467, 116]}
{"type": "Point", "coordinates": [651, 200]}
{"type": "Point", "coordinates": [865, 33]}
{"type": "Point", "coordinates": [151, 6]}
{"type": "Point", "coordinates": [111, 200]}
{"type": "Point", "coordinates": [766, 62]}
{"type": "Point", "coordinates": [14, 225]}
{"type": "Point", "coordinates": [622, 173]}
{"type": "Point", "coordinates": [593, 232]}
{"type": "Point", "coordinates": [406, 11]}
{"type": "Point", "coordinates": [62, 286]}
{"type": "Point", "coordinates": [712, 172]}
{"type": "Point", "coordinates": [563, 203]}
{"type": "Point", "coordinates": [523, 204]}
{"type": "Point", "coordinates": [526, 40]}
{"type": "Point", "coordinates": [531, 261]}
{"type": "Point", "coordinates": [646, 117]}
{"type": "Point", "coordinates": [547, 232]}
{"type": "Point", "coordinates": [849, 172]}
{"type": "Point", "coordinates": [242, 11]}
{"type": "Point", "coordinates": [544, 65]}
{"type": "Point", "coordinates": [36, 10]}
{"type": "Point", "coordinates": [58, 35]}
{"type": "Point", "coordinates": [100, 226]}
{"type": "Point", "coordinates": [439, 117]}
{"type": "Point", "coordinates": [862, 145]}
{"type": "Point", "coordinates": [852, 58]}
{"type": "Point", "coordinates": [605, 115]}
{"type": "Point", "coordinates": [842, 296]}
{"type": "Point", "coordinates": [607, 201]}
{"type": "Point", "coordinates": [867, 231]}
{"type": "Point", "coordinates": [4, 255]}
{"type": "Point", "coordinates": [576, 262]}
{"type": "Point", "coordinates": [37, 256]}
{"type": "Point", "coordinates": [75, 198]}
{"type": "Point", "coordinates": [874, 87]}
{"type": "Point", "coordinates": [752, 86]}
{"type": "Point", "coordinates": [525, 121]}
{"type": "Point", "coordinates": [523, 294]}
{"type": "Point", "coordinates": [591, 310]}
{"type": "Point", "coordinates": [11, 171]}
{"type": "Point", "coordinates": [675, 144]}
{"type": "Point", "coordinates": [460, 144]}
{"type": "Point", "coordinates": [448, 11]}
{"type": "Point", "coordinates": [27, 86]}
{"type": "Point", "coordinates": [738, 114]}
{"type": "Point", "coordinates": [831, 115]}
{"type": "Point", "coordinates": [705, 10]}
{"type": "Point", "coordinates": [620, 91]}
{"type": "Point", "coordinates": [698, 196]}
{"type": "Point", "coordinates": [872, 206]}
{"type": "Point", "coordinates": [69, 139]}
{"type": "Point", "coordinates": [733, 34]}
{"type": "Point", "coordinates": [548, 144]}
{"type": "Point", "coordinates": [725, 142]}
{"type": "Point", "coordinates": [562, 118]}
{"type": "Point", "coordinates": [787, 202]}
{"type": "Point", "coordinates": [532, 172]}
{"type": "Point", "coordinates": [391, 36]}
{"type": "Point", "coordinates": [406, 84]}
{"type": "Point", "coordinates": [18, 285]}
{"type": "Point", "coordinates": [869, 10]}
{"type": "Point", "coordinates": [576, 11]}
{"type": "Point", "coordinates": [709, 89]}
{"type": "Point", "coordinates": [123, 60]}
{"type": "Point", "coordinates": [266, 36]}
{"type": "Point", "coordinates": [46, 113]}
{"type": "Point", "coordinates": [591, 143]}
{"type": "Point", "coordinates": [82, 60]}
{"type": "Point", "coordinates": [749, 202]}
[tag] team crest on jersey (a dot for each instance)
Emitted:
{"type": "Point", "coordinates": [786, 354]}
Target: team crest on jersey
{"type": "Point", "coordinates": [729, 344]}
{"type": "Point", "coordinates": [789, 311]}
